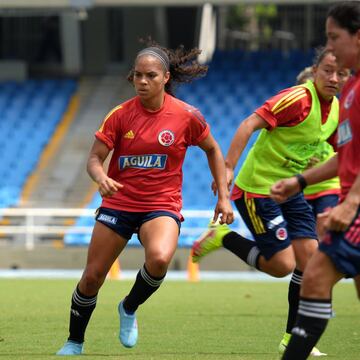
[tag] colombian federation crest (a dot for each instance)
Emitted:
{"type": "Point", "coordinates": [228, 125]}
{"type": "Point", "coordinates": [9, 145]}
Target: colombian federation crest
{"type": "Point", "coordinates": [281, 233]}
{"type": "Point", "coordinates": [166, 137]}
{"type": "Point", "coordinates": [349, 99]}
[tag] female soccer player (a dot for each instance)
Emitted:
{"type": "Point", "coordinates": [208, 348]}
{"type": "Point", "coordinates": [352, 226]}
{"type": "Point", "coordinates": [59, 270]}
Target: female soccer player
{"type": "Point", "coordinates": [149, 135]}
{"type": "Point", "coordinates": [324, 195]}
{"type": "Point", "coordinates": [338, 255]}
{"type": "Point", "coordinates": [293, 123]}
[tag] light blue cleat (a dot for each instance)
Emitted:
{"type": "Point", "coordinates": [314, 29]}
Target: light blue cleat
{"type": "Point", "coordinates": [128, 328]}
{"type": "Point", "coordinates": [71, 348]}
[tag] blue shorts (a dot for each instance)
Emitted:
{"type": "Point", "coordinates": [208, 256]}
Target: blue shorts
{"type": "Point", "coordinates": [320, 204]}
{"type": "Point", "coordinates": [126, 223]}
{"type": "Point", "coordinates": [274, 225]}
{"type": "Point", "coordinates": [343, 248]}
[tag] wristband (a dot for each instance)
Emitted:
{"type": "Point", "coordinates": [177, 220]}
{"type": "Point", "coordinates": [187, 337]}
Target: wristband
{"type": "Point", "coordinates": [301, 180]}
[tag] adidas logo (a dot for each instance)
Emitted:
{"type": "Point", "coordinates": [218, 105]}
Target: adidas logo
{"type": "Point", "coordinates": [300, 332]}
{"type": "Point", "coordinates": [129, 135]}
{"type": "Point", "coordinates": [75, 312]}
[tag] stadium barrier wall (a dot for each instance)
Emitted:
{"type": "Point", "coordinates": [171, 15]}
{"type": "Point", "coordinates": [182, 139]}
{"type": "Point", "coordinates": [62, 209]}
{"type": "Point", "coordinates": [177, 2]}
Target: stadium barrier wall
{"type": "Point", "coordinates": [30, 225]}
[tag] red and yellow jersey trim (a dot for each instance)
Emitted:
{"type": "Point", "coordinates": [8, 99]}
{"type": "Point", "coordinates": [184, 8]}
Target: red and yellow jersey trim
{"type": "Point", "coordinates": [108, 116]}
{"type": "Point", "coordinates": [289, 99]}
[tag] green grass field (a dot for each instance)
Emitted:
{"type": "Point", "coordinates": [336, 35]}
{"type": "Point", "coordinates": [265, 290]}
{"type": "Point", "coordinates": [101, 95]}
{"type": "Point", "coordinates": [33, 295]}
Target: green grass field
{"type": "Point", "coordinates": [206, 320]}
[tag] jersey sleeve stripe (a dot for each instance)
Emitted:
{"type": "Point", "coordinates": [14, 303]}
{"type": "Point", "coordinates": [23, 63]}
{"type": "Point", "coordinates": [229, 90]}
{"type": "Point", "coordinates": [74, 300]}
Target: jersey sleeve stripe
{"type": "Point", "coordinates": [289, 103]}
{"type": "Point", "coordinates": [288, 97]}
{"type": "Point", "coordinates": [108, 115]}
{"type": "Point", "coordinates": [197, 116]}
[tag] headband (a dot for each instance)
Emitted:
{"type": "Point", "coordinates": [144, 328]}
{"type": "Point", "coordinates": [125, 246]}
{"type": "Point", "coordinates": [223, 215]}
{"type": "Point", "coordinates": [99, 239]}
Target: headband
{"type": "Point", "coordinates": [158, 53]}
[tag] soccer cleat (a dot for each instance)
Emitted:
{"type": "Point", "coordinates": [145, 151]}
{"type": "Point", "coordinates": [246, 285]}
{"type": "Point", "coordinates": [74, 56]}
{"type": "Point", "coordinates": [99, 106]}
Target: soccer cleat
{"type": "Point", "coordinates": [71, 348]}
{"type": "Point", "coordinates": [209, 241]}
{"type": "Point", "coordinates": [285, 341]}
{"type": "Point", "coordinates": [128, 334]}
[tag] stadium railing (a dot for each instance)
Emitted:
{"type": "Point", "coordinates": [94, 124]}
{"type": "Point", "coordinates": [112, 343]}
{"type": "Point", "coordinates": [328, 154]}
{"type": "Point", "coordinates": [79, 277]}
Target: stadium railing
{"type": "Point", "coordinates": [33, 223]}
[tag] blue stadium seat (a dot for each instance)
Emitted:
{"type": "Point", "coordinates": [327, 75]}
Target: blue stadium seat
{"type": "Point", "coordinates": [30, 112]}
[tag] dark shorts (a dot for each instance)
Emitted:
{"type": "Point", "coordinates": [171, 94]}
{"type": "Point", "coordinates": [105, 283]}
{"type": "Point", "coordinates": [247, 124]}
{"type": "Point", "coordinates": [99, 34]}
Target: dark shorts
{"type": "Point", "coordinates": [275, 225]}
{"type": "Point", "coordinates": [343, 248]}
{"type": "Point", "coordinates": [320, 204]}
{"type": "Point", "coordinates": [126, 223]}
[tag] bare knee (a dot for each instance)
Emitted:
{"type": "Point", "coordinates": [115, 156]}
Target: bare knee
{"type": "Point", "coordinates": [282, 269]}
{"type": "Point", "coordinates": [91, 281]}
{"type": "Point", "coordinates": [158, 264]}
{"type": "Point", "coordinates": [312, 287]}
{"type": "Point", "coordinates": [280, 265]}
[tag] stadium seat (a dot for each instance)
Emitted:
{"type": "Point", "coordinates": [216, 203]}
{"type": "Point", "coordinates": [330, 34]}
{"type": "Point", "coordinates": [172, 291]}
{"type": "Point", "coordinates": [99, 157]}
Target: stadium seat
{"type": "Point", "coordinates": [30, 112]}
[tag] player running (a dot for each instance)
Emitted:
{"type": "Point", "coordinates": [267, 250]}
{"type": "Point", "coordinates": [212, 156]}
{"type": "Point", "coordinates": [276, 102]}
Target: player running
{"type": "Point", "coordinates": [149, 135]}
{"type": "Point", "coordinates": [338, 255]}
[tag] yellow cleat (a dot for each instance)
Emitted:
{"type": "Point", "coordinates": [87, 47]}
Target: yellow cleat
{"type": "Point", "coordinates": [285, 341]}
{"type": "Point", "coordinates": [209, 241]}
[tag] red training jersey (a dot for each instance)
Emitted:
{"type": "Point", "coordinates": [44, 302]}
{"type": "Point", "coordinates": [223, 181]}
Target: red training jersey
{"type": "Point", "coordinates": [149, 150]}
{"type": "Point", "coordinates": [290, 107]}
{"type": "Point", "coordinates": [348, 134]}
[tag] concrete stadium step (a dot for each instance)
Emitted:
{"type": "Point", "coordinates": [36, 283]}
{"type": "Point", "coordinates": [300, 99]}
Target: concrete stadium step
{"type": "Point", "coordinates": [64, 182]}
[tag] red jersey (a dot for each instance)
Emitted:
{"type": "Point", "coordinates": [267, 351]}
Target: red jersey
{"type": "Point", "coordinates": [290, 107]}
{"type": "Point", "coordinates": [149, 150]}
{"type": "Point", "coordinates": [348, 134]}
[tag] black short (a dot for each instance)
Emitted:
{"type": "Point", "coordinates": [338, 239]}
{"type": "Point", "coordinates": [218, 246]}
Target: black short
{"type": "Point", "coordinates": [126, 223]}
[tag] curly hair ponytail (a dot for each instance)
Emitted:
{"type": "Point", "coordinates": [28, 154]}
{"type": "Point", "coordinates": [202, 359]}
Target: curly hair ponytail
{"type": "Point", "coordinates": [183, 65]}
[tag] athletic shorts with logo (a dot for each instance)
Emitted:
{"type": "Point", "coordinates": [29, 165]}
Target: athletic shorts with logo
{"type": "Point", "coordinates": [275, 225]}
{"type": "Point", "coordinates": [126, 223]}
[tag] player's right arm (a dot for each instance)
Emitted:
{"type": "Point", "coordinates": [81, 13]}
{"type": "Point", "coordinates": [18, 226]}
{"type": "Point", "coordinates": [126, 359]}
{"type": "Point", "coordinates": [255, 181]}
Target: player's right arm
{"type": "Point", "coordinates": [95, 168]}
{"type": "Point", "coordinates": [285, 188]}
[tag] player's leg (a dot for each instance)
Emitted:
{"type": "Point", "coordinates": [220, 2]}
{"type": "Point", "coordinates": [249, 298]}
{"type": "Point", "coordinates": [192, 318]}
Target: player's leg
{"type": "Point", "coordinates": [315, 306]}
{"type": "Point", "coordinates": [159, 236]}
{"type": "Point", "coordinates": [338, 254]}
{"type": "Point", "coordinates": [270, 252]}
{"type": "Point", "coordinates": [105, 246]}
{"type": "Point", "coordinates": [304, 249]}
{"type": "Point", "coordinates": [301, 227]}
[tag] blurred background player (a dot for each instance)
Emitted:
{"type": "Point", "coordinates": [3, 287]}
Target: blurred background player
{"type": "Point", "coordinates": [149, 135]}
{"type": "Point", "coordinates": [293, 122]}
{"type": "Point", "coordinates": [305, 75]}
{"type": "Point", "coordinates": [338, 255]}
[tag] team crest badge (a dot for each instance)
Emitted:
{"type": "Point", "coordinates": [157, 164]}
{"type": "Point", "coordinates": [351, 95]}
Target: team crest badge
{"type": "Point", "coordinates": [281, 233]}
{"type": "Point", "coordinates": [166, 138]}
{"type": "Point", "coordinates": [349, 99]}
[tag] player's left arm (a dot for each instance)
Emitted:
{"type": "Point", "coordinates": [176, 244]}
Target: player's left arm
{"type": "Point", "coordinates": [217, 168]}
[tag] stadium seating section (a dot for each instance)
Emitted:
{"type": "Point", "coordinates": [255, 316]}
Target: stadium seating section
{"type": "Point", "coordinates": [29, 114]}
